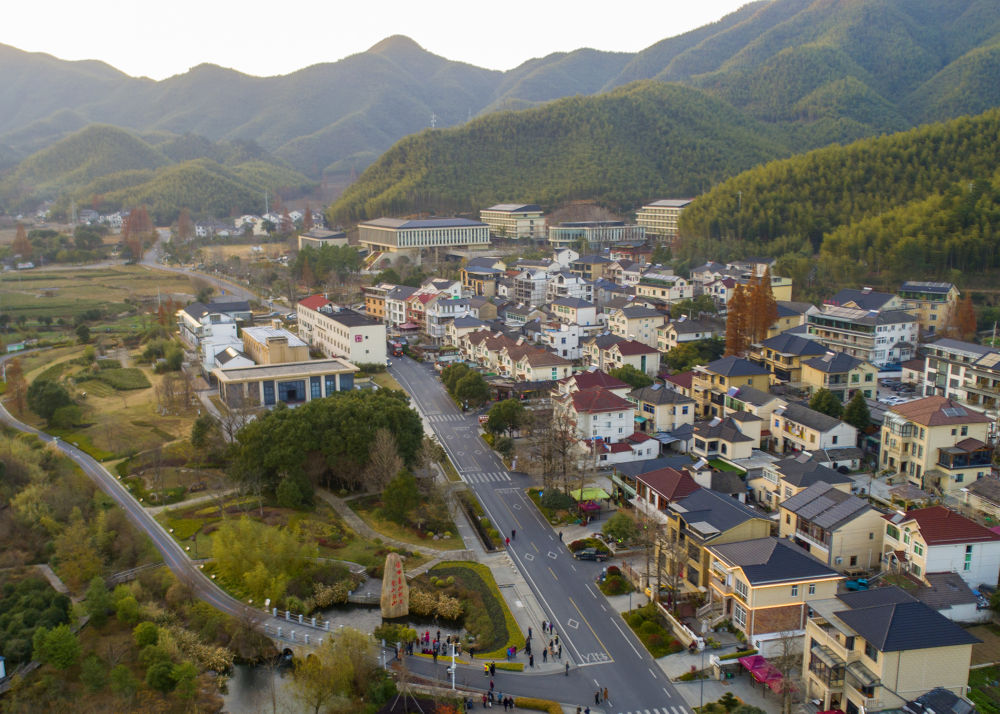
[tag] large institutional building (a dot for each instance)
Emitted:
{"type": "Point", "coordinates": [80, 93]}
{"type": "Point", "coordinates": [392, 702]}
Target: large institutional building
{"type": "Point", "coordinates": [398, 235]}
{"type": "Point", "coordinates": [594, 233]}
{"type": "Point", "coordinates": [515, 220]}
{"type": "Point", "coordinates": [660, 218]}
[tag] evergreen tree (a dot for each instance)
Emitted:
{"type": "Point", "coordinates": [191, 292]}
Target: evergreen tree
{"type": "Point", "coordinates": [824, 401]}
{"type": "Point", "coordinates": [856, 412]}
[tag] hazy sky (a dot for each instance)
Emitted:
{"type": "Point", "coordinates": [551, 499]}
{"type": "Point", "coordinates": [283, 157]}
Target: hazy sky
{"type": "Point", "coordinates": [268, 37]}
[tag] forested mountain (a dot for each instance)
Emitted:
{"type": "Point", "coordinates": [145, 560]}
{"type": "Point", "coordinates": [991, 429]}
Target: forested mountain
{"type": "Point", "coordinates": [647, 138]}
{"type": "Point", "coordinates": [824, 70]}
{"type": "Point", "coordinates": [925, 202]}
{"type": "Point", "coordinates": [108, 169]}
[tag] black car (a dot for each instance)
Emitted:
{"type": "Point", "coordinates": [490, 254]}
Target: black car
{"type": "Point", "coordinates": [590, 554]}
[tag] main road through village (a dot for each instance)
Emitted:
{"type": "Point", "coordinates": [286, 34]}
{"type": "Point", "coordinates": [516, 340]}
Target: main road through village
{"type": "Point", "coordinates": [602, 651]}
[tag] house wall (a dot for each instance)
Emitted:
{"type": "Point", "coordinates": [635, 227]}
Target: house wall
{"type": "Point", "coordinates": [911, 673]}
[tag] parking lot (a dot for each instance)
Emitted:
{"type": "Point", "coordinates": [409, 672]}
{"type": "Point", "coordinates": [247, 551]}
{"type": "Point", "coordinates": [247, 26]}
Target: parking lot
{"type": "Point", "coordinates": [892, 392]}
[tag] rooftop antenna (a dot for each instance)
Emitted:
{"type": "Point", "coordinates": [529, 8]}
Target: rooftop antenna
{"type": "Point", "coordinates": [266, 208]}
{"type": "Point", "coordinates": [434, 120]}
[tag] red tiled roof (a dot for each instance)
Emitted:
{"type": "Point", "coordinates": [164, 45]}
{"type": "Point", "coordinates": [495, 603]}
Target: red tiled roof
{"type": "Point", "coordinates": [632, 347]}
{"type": "Point", "coordinates": [589, 401]}
{"type": "Point", "coordinates": [597, 378]}
{"type": "Point", "coordinates": [940, 526]}
{"type": "Point", "coordinates": [670, 483]}
{"type": "Point", "coordinates": [638, 437]}
{"type": "Point", "coordinates": [930, 411]}
{"type": "Point", "coordinates": [314, 302]}
{"type": "Point", "coordinates": [682, 380]}
{"type": "Point", "coordinates": [620, 447]}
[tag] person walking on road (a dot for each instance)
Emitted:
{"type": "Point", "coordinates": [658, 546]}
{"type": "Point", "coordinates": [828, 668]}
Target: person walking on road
{"type": "Point", "coordinates": [559, 651]}
{"type": "Point", "coordinates": [531, 660]}
{"type": "Point", "coordinates": [560, 536]}
{"type": "Point", "coordinates": [493, 672]}
{"type": "Point", "coordinates": [605, 694]}
{"type": "Point", "coordinates": [567, 669]}
{"type": "Point", "coordinates": [545, 655]}
{"type": "Point", "coordinates": [507, 541]}
{"type": "Point", "coordinates": [529, 634]}
{"type": "Point", "coordinates": [513, 534]}
{"type": "Point", "coordinates": [597, 697]}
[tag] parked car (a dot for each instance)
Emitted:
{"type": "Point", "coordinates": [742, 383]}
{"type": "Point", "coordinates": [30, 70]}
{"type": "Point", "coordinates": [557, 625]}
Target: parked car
{"type": "Point", "coordinates": [590, 554]}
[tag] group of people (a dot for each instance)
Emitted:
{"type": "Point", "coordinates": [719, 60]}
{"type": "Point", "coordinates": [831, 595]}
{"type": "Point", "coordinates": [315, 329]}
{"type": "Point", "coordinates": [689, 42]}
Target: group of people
{"type": "Point", "coordinates": [507, 702]}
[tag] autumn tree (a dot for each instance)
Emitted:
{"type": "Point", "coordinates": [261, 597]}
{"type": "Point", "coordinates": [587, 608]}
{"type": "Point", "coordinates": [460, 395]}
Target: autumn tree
{"type": "Point", "coordinates": [963, 324]}
{"type": "Point", "coordinates": [763, 308]}
{"type": "Point", "coordinates": [185, 226]}
{"type": "Point", "coordinates": [736, 322]}
{"type": "Point", "coordinates": [17, 386]}
{"type": "Point", "coordinates": [21, 245]}
{"type": "Point", "coordinates": [307, 219]}
{"type": "Point", "coordinates": [286, 226]}
{"type": "Point", "coordinates": [338, 673]}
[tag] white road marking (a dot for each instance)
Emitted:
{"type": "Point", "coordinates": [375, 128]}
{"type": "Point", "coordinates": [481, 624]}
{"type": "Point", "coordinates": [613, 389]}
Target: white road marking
{"type": "Point", "coordinates": [652, 672]}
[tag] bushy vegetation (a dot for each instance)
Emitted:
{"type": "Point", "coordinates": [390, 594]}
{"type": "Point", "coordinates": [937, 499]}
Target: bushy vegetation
{"type": "Point", "coordinates": [123, 378]}
{"type": "Point", "coordinates": [581, 543]}
{"type": "Point", "coordinates": [615, 583]}
{"type": "Point", "coordinates": [645, 622]}
{"type": "Point", "coordinates": [27, 604]}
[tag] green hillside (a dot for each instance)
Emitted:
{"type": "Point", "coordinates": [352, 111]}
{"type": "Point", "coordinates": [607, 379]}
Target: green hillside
{"type": "Point", "coordinates": [645, 139]}
{"type": "Point", "coordinates": [920, 202]}
{"type": "Point", "coordinates": [110, 169]}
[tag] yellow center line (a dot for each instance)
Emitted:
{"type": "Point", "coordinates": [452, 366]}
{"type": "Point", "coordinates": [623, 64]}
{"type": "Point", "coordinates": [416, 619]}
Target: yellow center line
{"type": "Point", "coordinates": [536, 548]}
{"type": "Point", "coordinates": [591, 629]}
{"type": "Point", "coordinates": [553, 574]}
{"type": "Point", "coordinates": [512, 514]}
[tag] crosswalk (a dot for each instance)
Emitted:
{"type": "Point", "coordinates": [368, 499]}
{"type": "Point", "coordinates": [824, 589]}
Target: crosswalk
{"type": "Point", "coordinates": [661, 710]}
{"type": "Point", "coordinates": [486, 476]}
{"type": "Point", "coordinates": [440, 418]}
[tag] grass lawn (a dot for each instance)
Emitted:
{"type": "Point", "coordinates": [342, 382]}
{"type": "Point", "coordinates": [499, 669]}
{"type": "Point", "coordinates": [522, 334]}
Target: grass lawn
{"type": "Point", "coordinates": [983, 688]}
{"type": "Point", "coordinates": [370, 514]}
{"type": "Point", "coordinates": [386, 381]}
{"type": "Point", "coordinates": [721, 465]}
{"type": "Point", "coordinates": [987, 651]}
{"type": "Point", "coordinates": [449, 470]}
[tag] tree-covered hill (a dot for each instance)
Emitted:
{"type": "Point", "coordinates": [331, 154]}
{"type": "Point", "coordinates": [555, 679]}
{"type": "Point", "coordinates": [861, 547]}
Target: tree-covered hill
{"type": "Point", "coordinates": [648, 138]}
{"type": "Point", "coordinates": [110, 169]}
{"type": "Point", "coordinates": [921, 202]}
{"type": "Point", "coordinates": [824, 70]}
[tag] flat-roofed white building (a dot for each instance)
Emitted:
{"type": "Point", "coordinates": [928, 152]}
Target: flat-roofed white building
{"type": "Point", "coordinates": [660, 217]}
{"type": "Point", "coordinates": [515, 220]}
{"type": "Point", "coordinates": [400, 235]}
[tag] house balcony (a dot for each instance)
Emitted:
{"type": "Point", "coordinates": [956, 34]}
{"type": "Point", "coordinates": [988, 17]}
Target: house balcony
{"type": "Point", "coordinates": [649, 510]}
{"type": "Point", "coordinates": [812, 540]}
{"type": "Point", "coordinates": [954, 458]}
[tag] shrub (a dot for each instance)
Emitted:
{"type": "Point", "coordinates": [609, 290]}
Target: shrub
{"type": "Point", "coordinates": [555, 499]}
{"type": "Point", "coordinates": [648, 627]}
{"type": "Point", "coordinates": [614, 570]}
{"type": "Point", "coordinates": [582, 543]}
{"type": "Point", "coordinates": [422, 603]}
{"type": "Point", "coordinates": [542, 705]}
{"type": "Point", "coordinates": [123, 378]}
{"type": "Point", "coordinates": [67, 417]}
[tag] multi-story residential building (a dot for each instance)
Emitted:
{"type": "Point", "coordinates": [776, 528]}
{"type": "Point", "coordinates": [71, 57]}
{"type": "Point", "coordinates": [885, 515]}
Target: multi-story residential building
{"type": "Point", "coordinates": [963, 371]}
{"type": "Point", "coordinates": [865, 299]}
{"type": "Point", "coordinates": [712, 381]}
{"type": "Point", "coordinates": [841, 374]}
{"type": "Point", "coordinates": [462, 326]}
{"type": "Point", "coordinates": [393, 236]}
{"type": "Point", "coordinates": [396, 301]}
{"type": "Point", "coordinates": [939, 540]}
{"type": "Point", "coordinates": [754, 401]}
{"type": "Point", "coordinates": [655, 490]}
{"type": "Point", "coordinates": [882, 338]}
{"type": "Point", "coordinates": [725, 438]}
{"type": "Point", "coordinates": [796, 427]}
{"type": "Point", "coordinates": [480, 275]}
{"type": "Point", "coordinates": [663, 286]}
{"type": "Point", "coordinates": [932, 303]}
{"type": "Point", "coordinates": [703, 519]}
{"type": "Point", "coordinates": [566, 284]}
{"type": "Point", "coordinates": [875, 649]}
{"type": "Point", "coordinates": [340, 332]}
{"type": "Point", "coordinates": [375, 300]}
{"type": "Point", "coordinates": [590, 379]}
{"type": "Point", "coordinates": [982, 497]}
{"type": "Point", "coordinates": [764, 587]}
{"type": "Point", "coordinates": [788, 477]}
{"type": "Point", "coordinates": [661, 410]}
{"type": "Point", "coordinates": [638, 253]}
{"type": "Point", "coordinates": [660, 218]}
{"type": "Point", "coordinates": [835, 527]}
{"type": "Point", "coordinates": [574, 311]}
{"type": "Point", "coordinates": [595, 350]}
{"type": "Point", "coordinates": [642, 357]}
{"type": "Point", "coordinates": [440, 312]}
{"type": "Point", "coordinates": [675, 332]}
{"type": "Point", "coordinates": [515, 220]}
{"type": "Point", "coordinates": [590, 267]}
{"type": "Point", "coordinates": [564, 339]}
{"type": "Point", "coordinates": [936, 443]}
{"type": "Point", "coordinates": [636, 323]}
{"type": "Point", "coordinates": [790, 315]}
{"type": "Point", "coordinates": [529, 287]}
{"type": "Point", "coordinates": [597, 414]}
{"type": "Point", "coordinates": [783, 356]}
{"type": "Point", "coordinates": [594, 234]}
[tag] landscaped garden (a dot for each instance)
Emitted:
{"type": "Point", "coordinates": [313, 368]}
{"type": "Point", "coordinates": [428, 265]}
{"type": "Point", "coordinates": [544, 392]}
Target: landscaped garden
{"type": "Point", "coordinates": [984, 689]}
{"type": "Point", "coordinates": [614, 583]}
{"type": "Point", "coordinates": [645, 623]}
{"type": "Point", "coordinates": [431, 526]}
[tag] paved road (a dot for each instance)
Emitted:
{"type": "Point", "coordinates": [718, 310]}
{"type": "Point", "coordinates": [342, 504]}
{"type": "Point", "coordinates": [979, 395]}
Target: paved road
{"type": "Point", "coordinates": [602, 651]}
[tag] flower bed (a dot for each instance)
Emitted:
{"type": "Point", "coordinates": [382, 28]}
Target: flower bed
{"type": "Point", "coordinates": [645, 623]}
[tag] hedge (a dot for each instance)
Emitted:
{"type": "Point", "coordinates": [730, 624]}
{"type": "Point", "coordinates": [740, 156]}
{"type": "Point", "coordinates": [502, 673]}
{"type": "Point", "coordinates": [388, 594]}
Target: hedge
{"type": "Point", "coordinates": [478, 577]}
{"type": "Point", "coordinates": [737, 655]}
{"type": "Point", "coordinates": [542, 705]}
{"type": "Point", "coordinates": [123, 378]}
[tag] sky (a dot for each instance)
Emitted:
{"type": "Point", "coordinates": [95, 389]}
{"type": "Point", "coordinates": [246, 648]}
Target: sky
{"type": "Point", "coordinates": [269, 37]}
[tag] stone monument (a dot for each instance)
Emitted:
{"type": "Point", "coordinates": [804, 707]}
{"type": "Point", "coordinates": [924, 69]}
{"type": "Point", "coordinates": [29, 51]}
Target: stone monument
{"type": "Point", "coordinates": [395, 592]}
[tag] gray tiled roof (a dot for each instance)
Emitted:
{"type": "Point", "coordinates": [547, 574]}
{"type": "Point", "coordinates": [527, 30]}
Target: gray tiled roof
{"type": "Point", "coordinates": [803, 471]}
{"type": "Point", "coordinates": [637, 468]}
{"type": "Point", "coordinates": [864, 300]}
{"type": "Point", "coordinates": [787, 343]}
{"type": "Point", "coordinates": [657, 394]}
{"type": "Point", "coordinates": [833, 362]}
{"type": "Point", "coordinates": [719, 511]}
{"type": "Point", "coordinates": [811, 418]}
{"type": "Point", "coordinates": [749, 395]}
{"type": "Point", "coordinates": [893, 621]}
{"type": "Point", "coordinates": [735, 367]}
{"type": "Point", "coordinates": [772, 560]}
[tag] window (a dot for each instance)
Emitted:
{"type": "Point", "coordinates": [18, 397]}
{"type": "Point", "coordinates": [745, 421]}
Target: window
{"type": "Point", "coordinates": [795, 591]}
{"type": "Point", "coordinates": [739, 614]}
{"type": "Point", "coordinates": [892, 532]}
{"type": "Point", "coordinates": [918, 549]}
{"type": "Point", "coordinates": [854, 560]}
{"type": "Point", "coordinates": [741, 589]}
{"type": "Point", "coordinates": [788, 518]}
{"type": "Point", "coordinates": [915, 569]}
{"type": "Point", "coordinates": [871, 652]}
{"type": "Point", "coordinates": [315, 388]}
{"type": "Point", "coordinates": [834, 441]}
{"type": "Point", "coordinates": [812, 588]}
{"type": "Point", "coordinates": [965, 431]}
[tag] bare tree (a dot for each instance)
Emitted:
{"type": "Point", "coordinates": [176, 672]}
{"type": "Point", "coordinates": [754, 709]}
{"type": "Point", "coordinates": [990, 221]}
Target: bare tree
{"type": "Point", "coordinates": [788, 659]}
{"type": "Point", "coordinates": [239, 412]}
{"type": "Point", "coordinates": [562, 434]}
{"type": "Point", "coordinates": [670, 558]}
{"type": "Point", "coordinates": [384, 462]}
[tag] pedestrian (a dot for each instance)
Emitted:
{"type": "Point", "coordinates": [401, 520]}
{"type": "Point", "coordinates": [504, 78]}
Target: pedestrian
{"type": "Point", "coordinates": [486, 670]}
{"type": "Point", "coordinates": [560, 536]}
{"type": "Point", "coordinates": [491, 685]}
{"type": "Point", "coordinates": [437, 637]}
{"type": "Point", "coordinates": [605, 694]}
{"type": "Point", "coordinates": [567, 669]}
{"type": "Point", "coordinates": [550, 644]}
{"type": "Point", "coordinates": [597, 696]}
{"type": "Point", "coordinates": [560, 651]}
{"type": "Point", "coordinates": [544, 625]}
{"type": "Point", "coordinates": [545, 655]}
{"type": "Point", "coordinates": [578, 710]}
{"type": "Point", "coordinates": [484, 701]}
{"type": "Point", "coordinates": [435, 656]}
{"type": "Point", "coordinates": [531, 660]}
{"type": "Point", "coordinates": [507, 541]}
{"type": "Point", "coordinates": [527, 647]}
{"type": "Point", "coordinates": [513, 534]}
{"type": "Point", "coordinates": [493, 670]}
{"type": "Point", "coordinates": [529, 634]}
{"type": "Point", "coordinates": [557, 639]}
{"type": "Point", "coordinates": [586, 710]}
